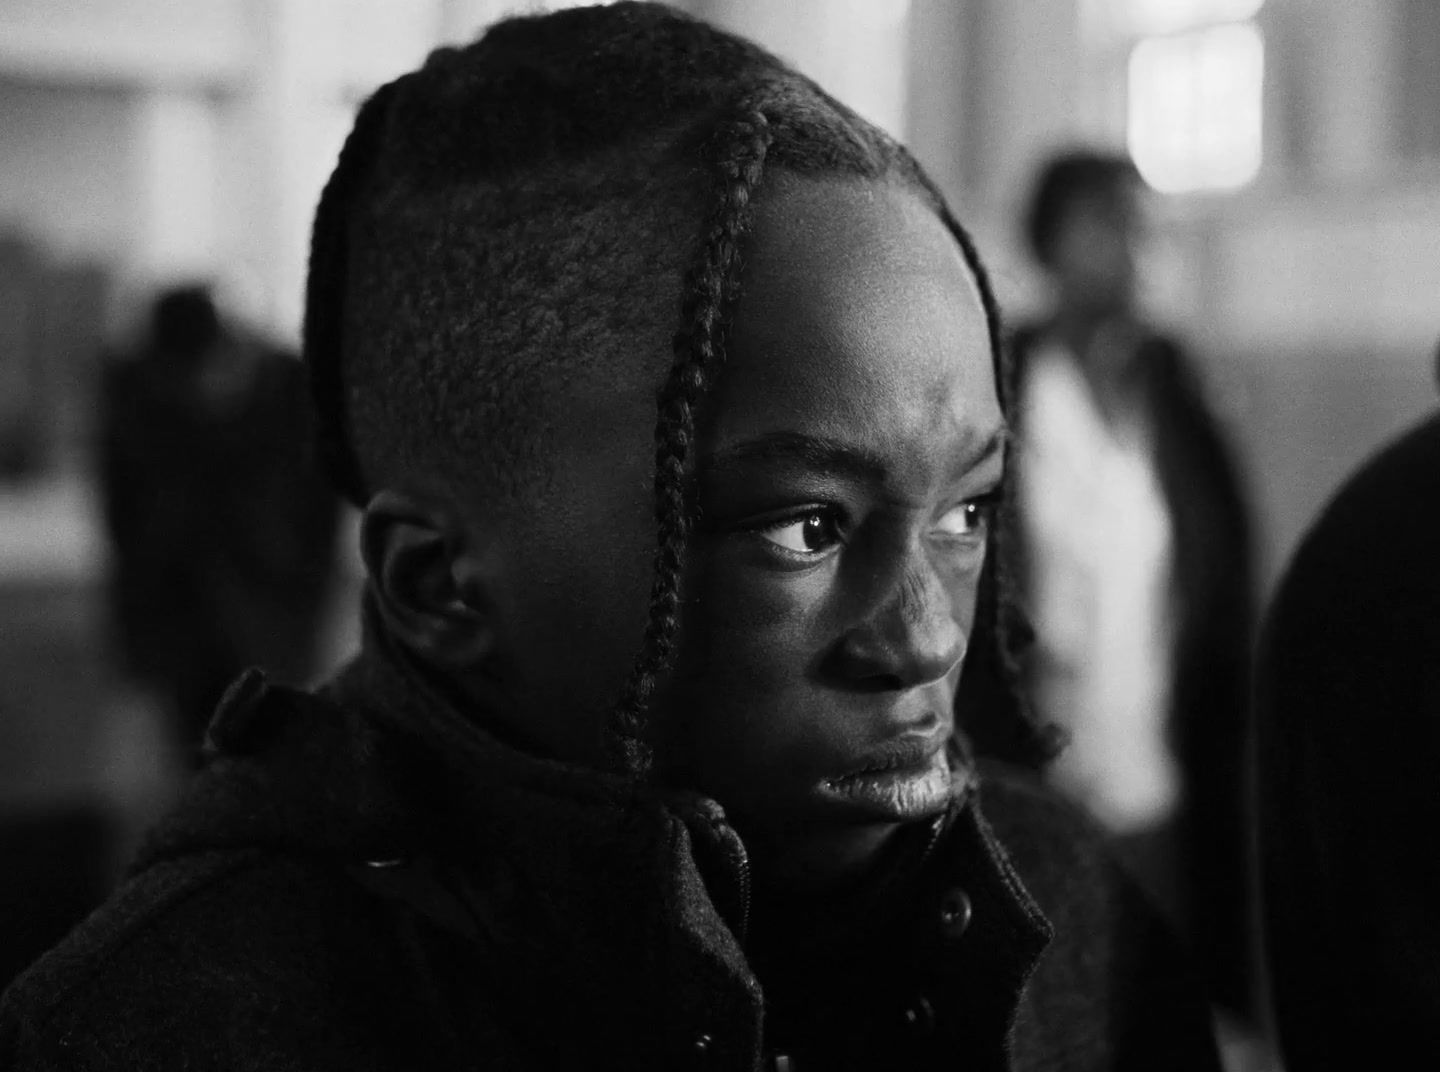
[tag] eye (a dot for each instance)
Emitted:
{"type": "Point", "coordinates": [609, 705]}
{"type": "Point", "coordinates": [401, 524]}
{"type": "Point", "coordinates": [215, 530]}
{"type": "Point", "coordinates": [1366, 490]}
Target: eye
{"type": "Point", "coordinates": [808, 534]}
{"type": "Point", "coordinates": [971, 518]}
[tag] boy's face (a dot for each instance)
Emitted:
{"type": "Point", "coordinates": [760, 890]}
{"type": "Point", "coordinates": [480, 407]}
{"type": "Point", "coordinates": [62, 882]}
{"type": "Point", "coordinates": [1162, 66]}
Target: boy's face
{"type": "Point", "coordinates": [844, 461]}
{"type": "Point", "coordinates": [845, 468]}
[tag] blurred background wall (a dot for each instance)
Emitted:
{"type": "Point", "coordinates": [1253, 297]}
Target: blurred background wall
{"type": "Point", "coordinates": [148, 141]}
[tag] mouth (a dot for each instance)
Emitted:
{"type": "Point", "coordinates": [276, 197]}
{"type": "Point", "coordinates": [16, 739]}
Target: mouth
{"type": "Point", "coordinates": [906, 779]}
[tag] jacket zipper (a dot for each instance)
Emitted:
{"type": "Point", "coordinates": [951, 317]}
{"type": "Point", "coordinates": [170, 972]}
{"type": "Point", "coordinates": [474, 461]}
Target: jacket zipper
{"type": "Point", "coordinates": [742, 865]}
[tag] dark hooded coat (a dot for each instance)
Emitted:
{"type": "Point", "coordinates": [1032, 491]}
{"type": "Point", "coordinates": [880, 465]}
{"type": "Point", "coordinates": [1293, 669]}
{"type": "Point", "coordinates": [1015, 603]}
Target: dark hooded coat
{"type": "Point", "coordinates": [364, 879]}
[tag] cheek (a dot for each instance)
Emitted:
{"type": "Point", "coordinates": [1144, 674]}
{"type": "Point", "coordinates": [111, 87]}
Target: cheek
{"type": "Point", "coordinates": [741, 698]}
{"type": "Point", "coordinates": [577, 587]}
{"type": "Point", "coordinates": [749, 632]}
{"type": "Point", "coordinates": [963, 581]}
{"type": "Point", "coordinates": [582, 610]}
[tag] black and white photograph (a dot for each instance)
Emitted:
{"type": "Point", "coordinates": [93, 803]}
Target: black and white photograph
{"type": "Point", "coordinates": [719, 535]}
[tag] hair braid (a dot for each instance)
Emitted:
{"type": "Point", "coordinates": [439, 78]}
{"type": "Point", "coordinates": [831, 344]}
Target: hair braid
{"type": "Point", "coordinates": [1018, 734]}
{"type": "Point", "coordinates": [325, 290]}
{"type": "Point", "coordinates": [740, 146]}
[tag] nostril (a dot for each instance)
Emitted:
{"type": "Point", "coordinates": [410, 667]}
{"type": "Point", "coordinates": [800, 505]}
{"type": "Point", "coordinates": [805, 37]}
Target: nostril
{"type": "Point", "coordinates": [869, 662]}
{"type": "Point", "coordinates": [895, 648]}
{"type": "Point", "coordinates": [877, 683]}
{"type": "Point", "coordinates": [927, 722]}
{"type": "Point", "coordinates": [859, 666]}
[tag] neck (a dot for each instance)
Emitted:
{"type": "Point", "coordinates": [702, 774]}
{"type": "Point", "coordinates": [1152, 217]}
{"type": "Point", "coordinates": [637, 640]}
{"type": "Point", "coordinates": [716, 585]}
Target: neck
{"type": "Point", "coordinates": [819, 862]}
{"type": "Point", "coordinates": [798, 925]}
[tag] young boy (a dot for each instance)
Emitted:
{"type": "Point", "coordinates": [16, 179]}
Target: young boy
{"type": "Point", "coordinates": [502, 840]}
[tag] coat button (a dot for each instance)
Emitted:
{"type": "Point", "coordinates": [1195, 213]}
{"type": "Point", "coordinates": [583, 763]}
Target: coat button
{"type": "Point", "coordinates": [955, 912]}
{"type": "Point", "coordinates": [919, 1017]}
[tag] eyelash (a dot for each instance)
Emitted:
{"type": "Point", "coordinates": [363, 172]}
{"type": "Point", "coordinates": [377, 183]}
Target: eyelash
{"type": "Point", "coordinates": [983, 505]}
{"type": "Point", "coordinates": [830, 515]}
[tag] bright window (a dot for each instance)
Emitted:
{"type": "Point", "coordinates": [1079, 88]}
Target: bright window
{"type": "Point", "coordinates": [1194, 107]}
{"type": "Point", "coordinates": [1172, 16]}
{"type": "Point", "coordinates": [1194, 82]}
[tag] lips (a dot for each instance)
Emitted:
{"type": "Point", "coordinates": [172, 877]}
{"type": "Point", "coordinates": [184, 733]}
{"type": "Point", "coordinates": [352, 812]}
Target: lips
{"type": "Point", "coordinates": [905, 779]}
{"type": "Point", "coordinates": [898, 754]}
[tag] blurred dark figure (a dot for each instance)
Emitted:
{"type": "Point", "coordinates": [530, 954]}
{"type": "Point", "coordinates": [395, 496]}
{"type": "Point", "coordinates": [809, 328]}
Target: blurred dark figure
{"type": "Point", "coordinates": [21, 408]}
{"type": "Point", "coordinates": [1348, 742]}
{"type": "Point", "coordinates": [222, 530]}
{"type": "Point", "coordinates": [1137, 568]}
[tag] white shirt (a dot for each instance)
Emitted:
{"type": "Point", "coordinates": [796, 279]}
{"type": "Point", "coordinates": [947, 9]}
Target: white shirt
{"type": "Point", "coordinates": [1100, 545]}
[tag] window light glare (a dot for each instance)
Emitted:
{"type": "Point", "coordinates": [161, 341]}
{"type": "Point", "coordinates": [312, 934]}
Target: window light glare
{"type": "Point", "coordinates": [1149, 17]}
{"type": "Point", "coordinates": [874, 15]}
{"type": "Point", "coordinates": [1195, 108]}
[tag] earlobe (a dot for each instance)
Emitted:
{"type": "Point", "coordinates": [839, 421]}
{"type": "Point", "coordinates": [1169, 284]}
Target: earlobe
{"type": "Point", "coordinates": [415, 550]}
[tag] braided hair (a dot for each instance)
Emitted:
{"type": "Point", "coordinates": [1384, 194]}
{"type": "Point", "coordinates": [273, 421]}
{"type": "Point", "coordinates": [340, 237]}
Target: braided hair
{"type": "Point", "coordinates": [492, 217]}
{"type": "Point", "coordinates": [711, 286]}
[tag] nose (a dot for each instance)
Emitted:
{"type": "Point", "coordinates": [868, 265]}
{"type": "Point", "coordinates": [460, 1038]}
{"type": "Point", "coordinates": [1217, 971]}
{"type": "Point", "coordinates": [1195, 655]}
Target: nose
{"type": "Point", "coordinates": [912, 634]}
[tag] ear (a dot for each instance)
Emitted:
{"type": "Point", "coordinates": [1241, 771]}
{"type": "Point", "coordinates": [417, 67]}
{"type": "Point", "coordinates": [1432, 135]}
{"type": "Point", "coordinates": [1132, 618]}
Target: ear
{"type": "Point", "coordinates": [419, 555]}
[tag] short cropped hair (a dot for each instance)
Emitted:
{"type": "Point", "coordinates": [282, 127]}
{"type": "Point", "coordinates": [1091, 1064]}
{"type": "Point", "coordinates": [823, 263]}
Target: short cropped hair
{"type": "Point", "coordinates": [571, 189]}
{"type": "Point", "coordinates": [1065, 180]}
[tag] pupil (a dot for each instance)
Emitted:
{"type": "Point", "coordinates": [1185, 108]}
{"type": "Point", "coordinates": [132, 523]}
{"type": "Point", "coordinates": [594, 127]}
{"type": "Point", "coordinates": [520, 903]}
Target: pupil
{"type": "Point", "coordinates": [813, 532]}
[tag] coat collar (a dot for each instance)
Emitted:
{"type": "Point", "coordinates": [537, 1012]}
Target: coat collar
{"type": "Point", "coordinates": [601, 893]}
{"type": "Point", "coordinates": [623, 875]}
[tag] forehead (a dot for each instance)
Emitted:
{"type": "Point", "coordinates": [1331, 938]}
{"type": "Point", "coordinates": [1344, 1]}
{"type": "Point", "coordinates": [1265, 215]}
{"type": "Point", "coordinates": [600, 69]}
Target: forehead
{"type": "Point", "coordinates": [859, 314]}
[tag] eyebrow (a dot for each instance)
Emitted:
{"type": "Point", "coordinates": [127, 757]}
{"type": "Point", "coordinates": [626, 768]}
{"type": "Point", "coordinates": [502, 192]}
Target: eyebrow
{"type": "Point", "coordinates": [818, 453]}
{"type": "Point", "coordinates": [991, 446]}
{"type": "Point", "coordinates": [832, 457]}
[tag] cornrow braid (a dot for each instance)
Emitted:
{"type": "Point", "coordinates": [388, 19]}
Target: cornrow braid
{"type": "Point", "coordinates": [739, 146]}
{"type": "Point", "coordinates": [488, 225]}
{"type": "Point", "coordinates": [325, 288]}
{"type": "Point", "coordinates": [1008, 726]}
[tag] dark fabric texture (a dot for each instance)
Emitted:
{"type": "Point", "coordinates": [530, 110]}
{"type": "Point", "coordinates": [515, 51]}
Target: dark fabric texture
{"type": "Point", "coordinates": [1200, 865]}
{"type": "Point", "coordinates": [362, 879]}
{"type": "Point", "coordinates": [1349, 711]}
